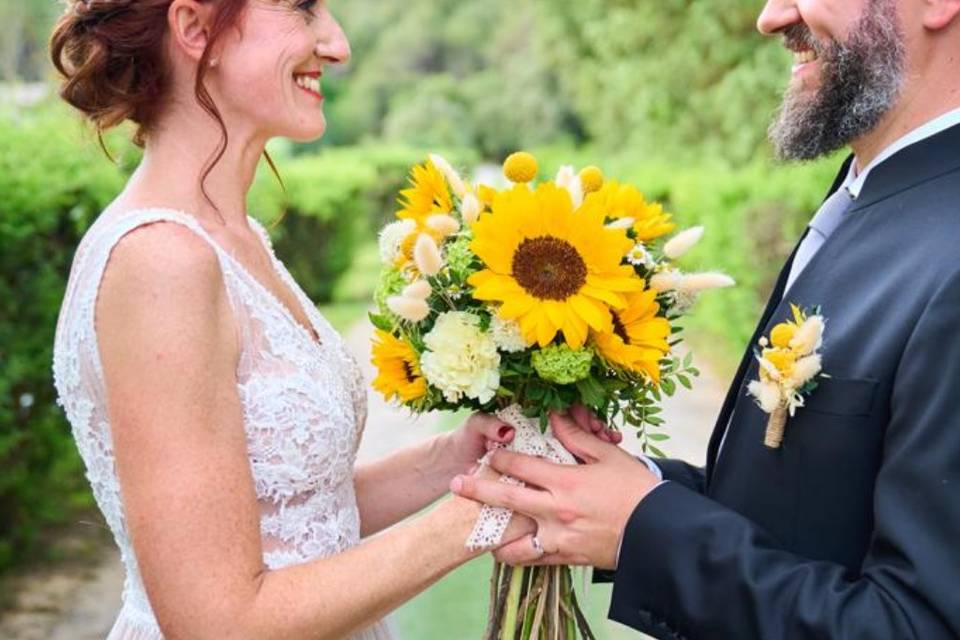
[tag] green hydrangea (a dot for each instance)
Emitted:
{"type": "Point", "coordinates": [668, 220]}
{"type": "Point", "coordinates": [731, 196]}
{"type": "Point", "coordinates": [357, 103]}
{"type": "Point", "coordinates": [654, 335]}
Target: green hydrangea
{"type": "Point", "coordinates": [391, 283]}
{"type": "Point", "coordinates": [561, 364]}
{"type": "Point", "coordinates": [459, 257]}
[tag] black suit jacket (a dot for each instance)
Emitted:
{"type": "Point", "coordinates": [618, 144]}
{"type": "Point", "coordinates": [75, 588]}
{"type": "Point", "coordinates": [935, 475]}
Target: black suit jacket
{"type": "Point", "coordinates": [852, 528]}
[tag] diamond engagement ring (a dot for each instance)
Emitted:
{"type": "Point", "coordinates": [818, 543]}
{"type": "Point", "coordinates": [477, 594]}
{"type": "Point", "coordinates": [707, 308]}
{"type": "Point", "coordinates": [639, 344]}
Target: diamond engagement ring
{"type": "Point", "coordinates": [535, 541]}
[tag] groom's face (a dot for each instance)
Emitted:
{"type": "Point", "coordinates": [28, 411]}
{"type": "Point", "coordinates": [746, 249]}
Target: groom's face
{"type": "Point", "coordinates": [847, 72]}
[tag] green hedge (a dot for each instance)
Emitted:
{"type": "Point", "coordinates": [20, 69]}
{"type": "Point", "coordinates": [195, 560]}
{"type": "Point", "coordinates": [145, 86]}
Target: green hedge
{"type": "Point", "coordinates": [335, 200]}
{"type": "Point", "coordinates": [54, 180]}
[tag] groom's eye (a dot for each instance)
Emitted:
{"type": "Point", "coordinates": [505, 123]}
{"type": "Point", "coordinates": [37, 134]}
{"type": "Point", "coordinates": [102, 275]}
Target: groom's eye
{"type": "Point", "coordinates": [307, 6]}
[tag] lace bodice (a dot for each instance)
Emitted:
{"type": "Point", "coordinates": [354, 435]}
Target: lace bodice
{"type": "Point", "coordinates": [304, 407]}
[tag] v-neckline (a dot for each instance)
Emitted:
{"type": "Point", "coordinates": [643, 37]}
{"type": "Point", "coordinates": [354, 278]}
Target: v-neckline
{"type": "Point", "coordinates": [311, 334]}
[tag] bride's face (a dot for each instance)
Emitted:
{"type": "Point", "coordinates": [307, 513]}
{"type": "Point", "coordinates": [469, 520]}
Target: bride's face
{"type": "Point", "coordinates": [269, 72]}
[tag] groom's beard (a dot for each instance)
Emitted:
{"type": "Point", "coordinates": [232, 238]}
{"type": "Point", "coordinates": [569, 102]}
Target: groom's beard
{"type": "Point", "coordinates": [859, 83]}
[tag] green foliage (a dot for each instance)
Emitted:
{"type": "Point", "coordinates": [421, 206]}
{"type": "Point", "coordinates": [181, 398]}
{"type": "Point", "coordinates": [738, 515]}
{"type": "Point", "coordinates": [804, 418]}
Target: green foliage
{"type": "Point", "coordinates": [52, 188]}
{"type": "Point", "coordinates": [54, 181]}
{"type": "Point", "coordinates": [449, 73]}
{"type": "Point", "coordinates": [672, 77]}
{"type": "Point", "coordinates": [23, 39]}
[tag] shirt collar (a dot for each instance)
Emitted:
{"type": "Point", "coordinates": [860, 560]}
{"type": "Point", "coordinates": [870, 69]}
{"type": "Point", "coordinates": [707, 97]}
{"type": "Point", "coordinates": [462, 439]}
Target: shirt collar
{"type": "Point", "coordinates": [854, 182]}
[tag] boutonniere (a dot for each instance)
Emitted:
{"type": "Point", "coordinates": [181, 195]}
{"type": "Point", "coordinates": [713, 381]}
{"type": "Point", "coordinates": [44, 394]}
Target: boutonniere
{"type": "Point", "coordinates": [790, 368]}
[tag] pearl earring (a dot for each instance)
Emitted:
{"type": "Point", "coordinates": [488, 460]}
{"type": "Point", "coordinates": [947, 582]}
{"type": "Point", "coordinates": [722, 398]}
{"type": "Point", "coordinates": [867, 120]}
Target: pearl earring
{"type": "Point", "coordinates": [214, 62]}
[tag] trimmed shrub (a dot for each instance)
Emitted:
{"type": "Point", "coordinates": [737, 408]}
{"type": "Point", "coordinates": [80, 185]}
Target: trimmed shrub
{"type": "Point", "coordinates": [54, 181]}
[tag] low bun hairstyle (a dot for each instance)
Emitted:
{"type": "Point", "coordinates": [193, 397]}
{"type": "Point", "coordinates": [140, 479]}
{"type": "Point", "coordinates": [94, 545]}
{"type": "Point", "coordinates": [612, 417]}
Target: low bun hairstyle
{"type": "Point", "coordinates": [111, 56]}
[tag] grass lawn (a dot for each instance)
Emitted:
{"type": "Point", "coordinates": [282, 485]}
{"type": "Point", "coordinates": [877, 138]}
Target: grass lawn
{"type": "Point", "coordinates": [456, 608]}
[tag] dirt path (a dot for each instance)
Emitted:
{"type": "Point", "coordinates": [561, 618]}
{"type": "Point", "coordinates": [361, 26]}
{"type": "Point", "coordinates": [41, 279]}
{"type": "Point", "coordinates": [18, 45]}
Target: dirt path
{"type": "Point", "coordinates": [80, 601]}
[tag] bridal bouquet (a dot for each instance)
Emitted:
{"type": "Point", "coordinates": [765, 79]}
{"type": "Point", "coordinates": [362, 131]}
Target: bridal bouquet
{"type": "Point", "coordinates": [525, 300]}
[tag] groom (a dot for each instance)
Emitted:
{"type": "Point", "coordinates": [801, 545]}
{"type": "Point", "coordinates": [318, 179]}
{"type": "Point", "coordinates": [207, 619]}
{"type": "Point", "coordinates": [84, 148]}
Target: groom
{"type": "Point", "coordinates": [851, 529]}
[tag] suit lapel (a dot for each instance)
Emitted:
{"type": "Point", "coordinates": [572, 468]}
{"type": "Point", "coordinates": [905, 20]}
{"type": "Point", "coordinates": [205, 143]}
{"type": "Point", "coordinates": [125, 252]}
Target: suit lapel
{"type": "Point", "coordinates": [735, 392]}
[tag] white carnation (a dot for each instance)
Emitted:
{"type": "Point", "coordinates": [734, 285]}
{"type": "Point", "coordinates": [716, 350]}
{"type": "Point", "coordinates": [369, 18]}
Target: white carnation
{"type": "Point", "coordinates": [461, 360]}
{"type": "Point", "coordinates": [507, 336]}
{"type": "Point", "coordinates": [392, 237]}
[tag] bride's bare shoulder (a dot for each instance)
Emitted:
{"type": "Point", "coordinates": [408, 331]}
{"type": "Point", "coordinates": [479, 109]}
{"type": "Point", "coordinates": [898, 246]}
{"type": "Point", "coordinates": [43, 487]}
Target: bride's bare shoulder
{"type": "Point", "coordinates": [162, 281]}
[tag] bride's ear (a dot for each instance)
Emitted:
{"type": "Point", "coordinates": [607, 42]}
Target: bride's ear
{"type": "Point", "coordinates": [940, 14]}
{"type": "Point", "coordinates": [189, 22]}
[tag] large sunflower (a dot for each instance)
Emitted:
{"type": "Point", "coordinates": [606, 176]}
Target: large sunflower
{"type": "Point", "coordinates": [398, 369]}
{"type": "Point", "coordinates": [428, 195]}
{"type": "Point", "coordinates": [625, 201]}
{"type": "Point", "coordinates": [639, 339]}
{"type": "Point", "coordinates": [553, 268]}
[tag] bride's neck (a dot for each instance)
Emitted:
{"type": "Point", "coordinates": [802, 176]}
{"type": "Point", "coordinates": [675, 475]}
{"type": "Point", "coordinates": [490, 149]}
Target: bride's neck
{"type": "Point", "coordinates": [177, 153]}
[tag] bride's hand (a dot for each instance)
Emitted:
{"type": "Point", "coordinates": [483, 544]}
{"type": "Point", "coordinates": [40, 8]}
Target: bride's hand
{"type": "Point", "coordinates": [468, 511]}
{"type": "Point", "coordinates": [482, 431]}
{"type": "Point", "coordinates": [589, 422]}
{"type": "Point", "coordinates": [477, 435]}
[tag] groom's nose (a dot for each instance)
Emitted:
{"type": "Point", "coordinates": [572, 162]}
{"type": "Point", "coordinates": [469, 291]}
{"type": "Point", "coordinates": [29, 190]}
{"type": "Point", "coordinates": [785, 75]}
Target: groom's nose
{"type": "Point", "coordinates": [777, 15]}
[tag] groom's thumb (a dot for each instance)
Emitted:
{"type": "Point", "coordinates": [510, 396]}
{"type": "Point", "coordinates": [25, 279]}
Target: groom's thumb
{"type": "Point", "coordinates": [580, 443]}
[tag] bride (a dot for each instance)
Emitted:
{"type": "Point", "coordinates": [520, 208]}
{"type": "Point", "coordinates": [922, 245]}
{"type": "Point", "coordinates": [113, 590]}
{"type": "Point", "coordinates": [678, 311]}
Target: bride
{"type": "Point", "coordinates": [217, 412]}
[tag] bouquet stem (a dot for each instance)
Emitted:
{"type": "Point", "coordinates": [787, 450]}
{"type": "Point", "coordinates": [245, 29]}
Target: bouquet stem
{"type": "Point", "coordinates": [536, 603]}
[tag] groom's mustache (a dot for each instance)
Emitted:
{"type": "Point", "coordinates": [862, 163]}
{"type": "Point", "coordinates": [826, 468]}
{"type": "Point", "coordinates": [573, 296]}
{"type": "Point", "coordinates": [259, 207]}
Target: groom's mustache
{"type": "Point", "coordinates": [798, 37]}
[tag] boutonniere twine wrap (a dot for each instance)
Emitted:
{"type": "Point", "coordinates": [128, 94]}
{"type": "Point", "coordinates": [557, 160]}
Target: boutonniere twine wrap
{"type": "Point", "coordinates": [528, 299]}
{"type": "Point", "coordinates": [790, 368]}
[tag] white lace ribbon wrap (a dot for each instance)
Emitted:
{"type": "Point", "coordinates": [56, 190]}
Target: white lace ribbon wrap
{"type": "Point", "coordinates": [528, 440]}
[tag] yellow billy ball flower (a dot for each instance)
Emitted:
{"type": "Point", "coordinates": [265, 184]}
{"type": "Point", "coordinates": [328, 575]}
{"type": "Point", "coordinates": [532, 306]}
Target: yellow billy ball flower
{"type": "Point", "coordinates": [782, 334]}
{"type": "Point", "coordinates": [520, 167]}
{"type": "Point", "coordinates": [398, 369]}
{"type": "Point", "coordinates": [591, 178]}
{"type": "Point", "coordinates": [782, 360]}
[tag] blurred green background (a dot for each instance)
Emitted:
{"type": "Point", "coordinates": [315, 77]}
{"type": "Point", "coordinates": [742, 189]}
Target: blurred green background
{"type": "Point", "coordinates": [672, 95]}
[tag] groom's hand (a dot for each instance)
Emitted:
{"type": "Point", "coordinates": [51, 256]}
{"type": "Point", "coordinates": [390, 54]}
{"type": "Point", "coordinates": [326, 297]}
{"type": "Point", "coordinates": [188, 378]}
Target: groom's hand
{"type": "Point", "coordinates": [581, 511]}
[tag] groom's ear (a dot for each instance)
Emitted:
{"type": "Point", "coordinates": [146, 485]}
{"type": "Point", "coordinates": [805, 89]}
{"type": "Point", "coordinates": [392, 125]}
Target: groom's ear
{"type": "Point", "coordinates": [940, 14]}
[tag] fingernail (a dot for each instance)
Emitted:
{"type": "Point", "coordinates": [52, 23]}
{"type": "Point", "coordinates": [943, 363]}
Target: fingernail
{"type": "Point", "coordinates": [505, 431]}
{"type": "Point", "coordinates": [456, 484]}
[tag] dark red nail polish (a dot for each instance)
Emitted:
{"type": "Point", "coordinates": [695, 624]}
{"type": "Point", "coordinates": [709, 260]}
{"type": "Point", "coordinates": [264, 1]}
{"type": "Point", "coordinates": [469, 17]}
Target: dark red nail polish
{"type": "Point", "coordinates": [504, 431]}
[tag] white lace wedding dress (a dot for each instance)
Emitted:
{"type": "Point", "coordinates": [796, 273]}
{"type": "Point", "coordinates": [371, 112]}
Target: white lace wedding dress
{"type": "Point", "coordinates": [304, 406]}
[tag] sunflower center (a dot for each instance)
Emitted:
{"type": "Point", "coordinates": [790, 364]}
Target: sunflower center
{"type": "Point", "coordinates": [409, 372]}
{"type": "Point", "coordinates": [619, 329]}
{"type": "Point", "coordinates": [549, 268]}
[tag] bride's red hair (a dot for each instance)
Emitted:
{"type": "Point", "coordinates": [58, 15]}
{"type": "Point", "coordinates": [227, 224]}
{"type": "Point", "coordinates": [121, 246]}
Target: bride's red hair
{"type": "Point", "coordinates": [110, 54]}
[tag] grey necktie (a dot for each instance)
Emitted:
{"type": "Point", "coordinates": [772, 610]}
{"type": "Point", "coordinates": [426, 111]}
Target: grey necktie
{"type": "Point", "coordinates": [824, 223]}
